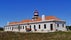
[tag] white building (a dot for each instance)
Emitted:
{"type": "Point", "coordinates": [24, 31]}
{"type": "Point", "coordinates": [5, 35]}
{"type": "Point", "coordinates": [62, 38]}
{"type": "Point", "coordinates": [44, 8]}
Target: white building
{"type": "Point", "coordinates": [37, 24]}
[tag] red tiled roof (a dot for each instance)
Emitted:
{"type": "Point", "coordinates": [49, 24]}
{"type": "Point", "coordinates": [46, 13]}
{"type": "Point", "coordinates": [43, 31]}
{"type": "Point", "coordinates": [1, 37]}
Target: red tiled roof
{"type": "Point", "coordinates": [25, 21]}
{"type": "Point", "coordinates": [51, 18]}
{"type": "Point", "coordinates": [12, 23]}
{"type": "Point", "coordinates": [39, 19]}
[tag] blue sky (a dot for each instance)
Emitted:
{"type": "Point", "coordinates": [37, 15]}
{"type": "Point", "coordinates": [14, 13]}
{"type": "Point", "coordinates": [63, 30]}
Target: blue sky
{"type": "Point", "coordinates": [17, 10]}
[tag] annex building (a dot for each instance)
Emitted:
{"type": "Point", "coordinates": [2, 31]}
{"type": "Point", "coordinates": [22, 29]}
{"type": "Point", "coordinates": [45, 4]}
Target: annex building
{"type": "Point", "coordinates": [37, 24]}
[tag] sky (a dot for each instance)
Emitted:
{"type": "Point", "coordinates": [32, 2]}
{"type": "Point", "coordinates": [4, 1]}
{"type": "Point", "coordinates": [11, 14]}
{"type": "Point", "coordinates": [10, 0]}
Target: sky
{"type": "Point", "coordinates": [17, 10]}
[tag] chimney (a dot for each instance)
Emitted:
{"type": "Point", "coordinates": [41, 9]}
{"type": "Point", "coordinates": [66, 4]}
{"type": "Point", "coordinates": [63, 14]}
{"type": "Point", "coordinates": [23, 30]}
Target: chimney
{"type": "Point", "coordinates": [43, 17]}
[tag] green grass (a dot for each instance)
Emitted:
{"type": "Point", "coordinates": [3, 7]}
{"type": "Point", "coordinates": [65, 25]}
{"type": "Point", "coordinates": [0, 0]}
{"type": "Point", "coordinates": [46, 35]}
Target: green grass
{"type": "Point", "coordinates": [35, 36]}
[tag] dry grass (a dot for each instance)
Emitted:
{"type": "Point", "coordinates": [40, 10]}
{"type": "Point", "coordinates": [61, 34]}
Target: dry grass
{"type": "Point", "coordinates": [35, 36]}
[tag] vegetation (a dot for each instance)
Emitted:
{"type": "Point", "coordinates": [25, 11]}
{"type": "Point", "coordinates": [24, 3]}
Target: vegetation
{"type": "Point", "coordinates": [68, 27]}
{"type": "Point", "coordinates": [1, 29]}
{"type": "Point", "coordinates": [35, 36]}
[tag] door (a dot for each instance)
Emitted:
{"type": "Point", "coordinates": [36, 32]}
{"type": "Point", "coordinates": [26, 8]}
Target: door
{"type": "Point", "coordinates": [51, 26]}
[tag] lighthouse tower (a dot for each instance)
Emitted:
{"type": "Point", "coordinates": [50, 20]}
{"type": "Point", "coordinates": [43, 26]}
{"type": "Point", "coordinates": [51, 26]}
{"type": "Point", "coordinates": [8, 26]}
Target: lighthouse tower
{"type": "Point", "coordinates": [36, 15]}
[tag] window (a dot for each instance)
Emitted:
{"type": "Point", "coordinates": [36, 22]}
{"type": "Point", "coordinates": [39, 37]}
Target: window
{"type": "Point", "coordinates": [44, 26]}
{"type": "Point", "coordinates": [62, 25]}
{"type": "Point", "coordinates": [12, 28]}
{"type": "Point", "coordinates": [30, 26]}
{"type": "Point", "coordinates": [23, 27]}
{"type": "Point", "coordinates": [34, 27]}
{"type": "Point", "coordinates": [57, 25]}
{"type": "Point", "coordinates": [19, 27]}
{"type": "Point", "coordinates": [39, 26]}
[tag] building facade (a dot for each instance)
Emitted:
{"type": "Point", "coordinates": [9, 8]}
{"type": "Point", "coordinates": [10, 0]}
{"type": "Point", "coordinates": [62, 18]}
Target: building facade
{"type": "Point", "coordinates": [37, 24]}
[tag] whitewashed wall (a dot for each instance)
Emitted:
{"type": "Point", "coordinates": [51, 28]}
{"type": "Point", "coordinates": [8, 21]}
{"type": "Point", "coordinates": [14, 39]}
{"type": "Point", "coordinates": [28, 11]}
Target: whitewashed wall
{"type": "Point", "coordinates": [23, 30]}
{"type": "Point", "coordinates": [42, 27]}
{"type": "Point", "coordinates": [61, 28]}
{"type": "Point", "coordinates": [9, 28]}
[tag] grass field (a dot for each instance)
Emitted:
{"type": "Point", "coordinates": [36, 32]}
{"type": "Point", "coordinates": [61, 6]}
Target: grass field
{"type": "Point", "coordinates": [35, 36]}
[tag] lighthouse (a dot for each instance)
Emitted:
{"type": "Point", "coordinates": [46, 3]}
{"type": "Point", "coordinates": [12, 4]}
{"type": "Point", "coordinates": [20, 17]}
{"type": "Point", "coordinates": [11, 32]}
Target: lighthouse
{"type": "Point", "coordinates": [36, 15]}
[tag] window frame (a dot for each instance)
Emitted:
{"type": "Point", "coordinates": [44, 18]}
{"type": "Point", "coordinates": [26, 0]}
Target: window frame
{"type": "Point", "coordinates": [57, 25]}
{"type": "Point", "coordinates": [62, 25]}
{"type": "Point", "coordinates": [45, 26]}
{"type": "Point", "coordinates": [39, 26]}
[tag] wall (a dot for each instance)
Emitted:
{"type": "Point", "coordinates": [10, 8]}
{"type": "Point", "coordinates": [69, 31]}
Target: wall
{"type": "Point", "coordinates": [15, 28]}
{"type": "Point", "coordinates": [61, 28]}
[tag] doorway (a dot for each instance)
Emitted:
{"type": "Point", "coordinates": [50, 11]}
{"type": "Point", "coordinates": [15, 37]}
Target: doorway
{"type": "Point", "coordinates": [51, 26]}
